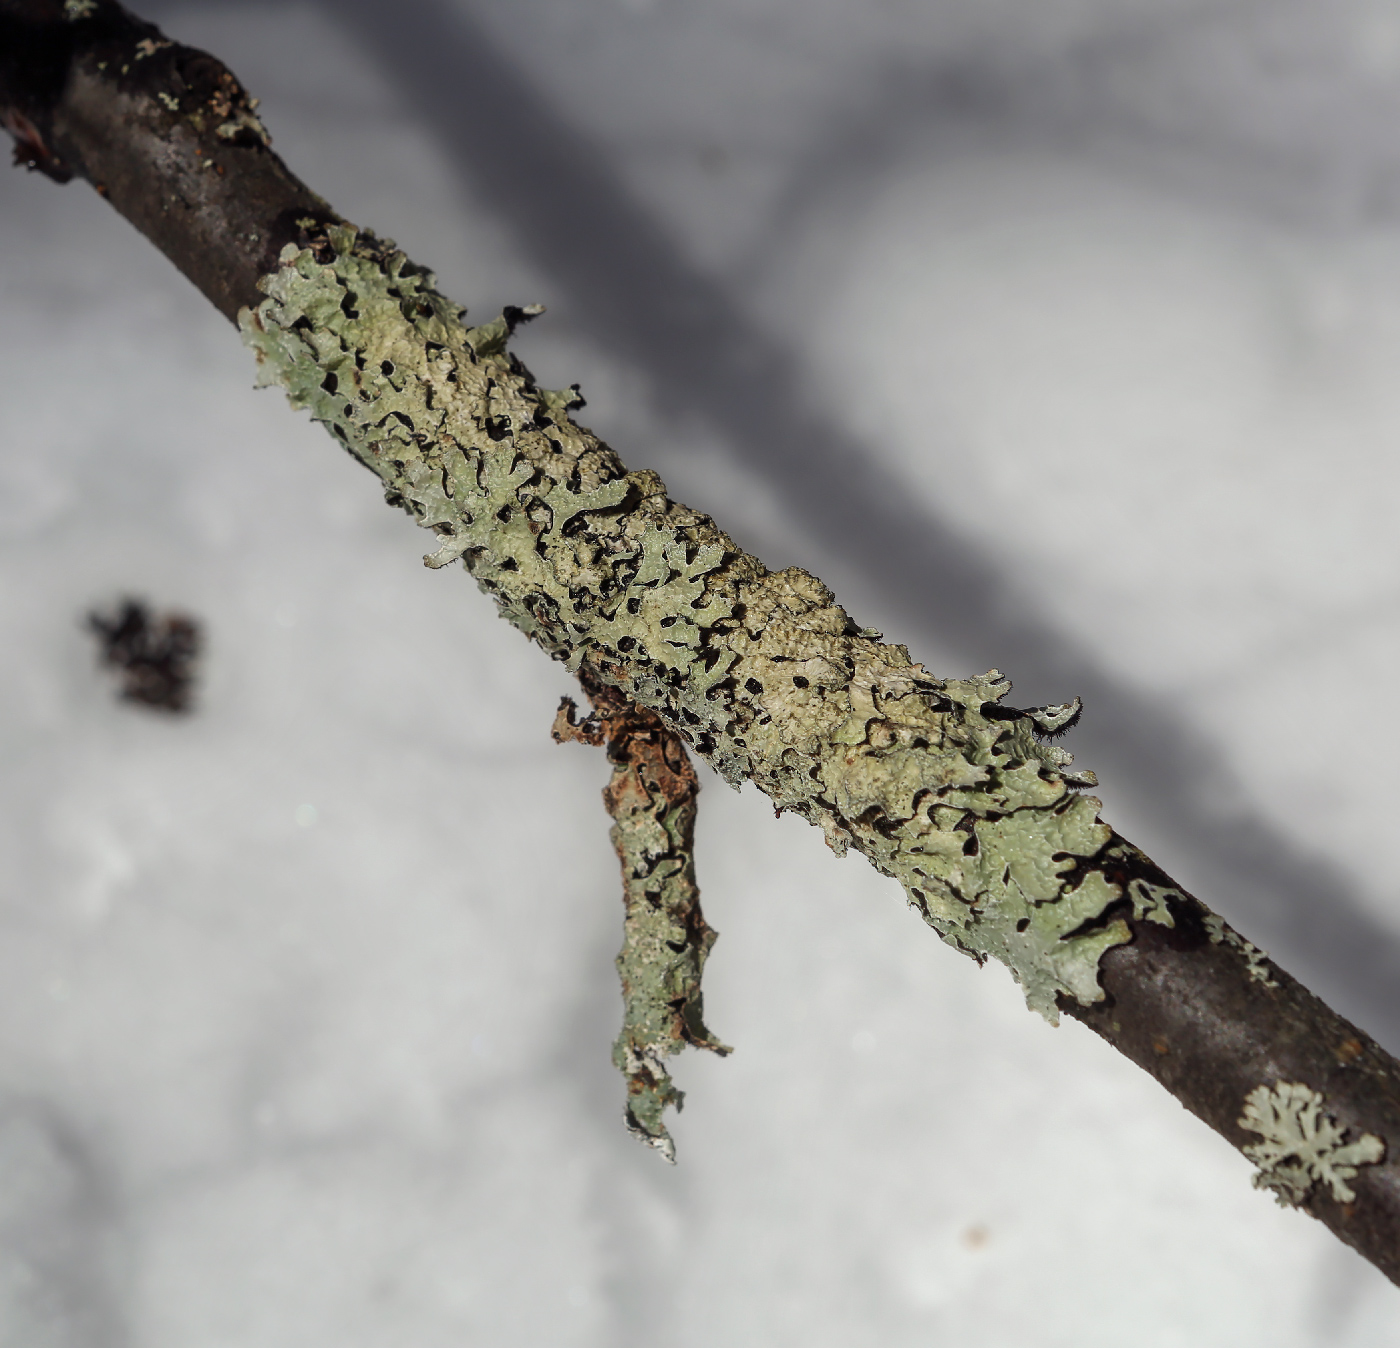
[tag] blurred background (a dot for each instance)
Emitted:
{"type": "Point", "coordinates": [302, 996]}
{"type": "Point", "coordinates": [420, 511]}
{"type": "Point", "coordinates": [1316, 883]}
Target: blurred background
{"type": "Point", "coordinates": [1056, 335]}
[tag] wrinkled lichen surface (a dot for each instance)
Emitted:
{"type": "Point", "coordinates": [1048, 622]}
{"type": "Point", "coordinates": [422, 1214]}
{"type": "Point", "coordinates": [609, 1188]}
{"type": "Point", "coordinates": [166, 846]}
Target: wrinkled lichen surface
{"type": "Point", "coordinates": [936, 782]}
{"type": "Point", "coordinates": [651, 797]}
{"type": "Point", "coordinates": [1302, 1144]}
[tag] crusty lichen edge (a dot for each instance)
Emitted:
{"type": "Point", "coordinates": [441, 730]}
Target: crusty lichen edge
{"type": "Point", "coordinates": [761, 672]}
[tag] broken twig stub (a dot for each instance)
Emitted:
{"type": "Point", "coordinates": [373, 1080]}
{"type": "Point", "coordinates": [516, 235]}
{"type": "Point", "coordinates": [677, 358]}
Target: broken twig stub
{"type": "Point", "coordinates": [651, 798]}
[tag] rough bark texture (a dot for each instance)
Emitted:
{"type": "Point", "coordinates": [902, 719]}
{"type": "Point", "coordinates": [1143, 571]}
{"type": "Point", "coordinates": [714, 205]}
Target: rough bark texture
{"type": "Point", "coordinates": [935, 780]}
{"type": "Point", "coordinates": [651, 798]}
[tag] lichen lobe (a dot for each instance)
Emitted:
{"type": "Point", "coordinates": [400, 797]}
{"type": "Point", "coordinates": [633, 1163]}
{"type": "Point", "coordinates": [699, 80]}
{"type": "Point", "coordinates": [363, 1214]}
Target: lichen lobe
{"type": "Point", "coordinates": [1302, 1145]}
{"type": "Point", "coordinates": [1257, 963]}
{"type": "Point", "coordinates": [934, 780]}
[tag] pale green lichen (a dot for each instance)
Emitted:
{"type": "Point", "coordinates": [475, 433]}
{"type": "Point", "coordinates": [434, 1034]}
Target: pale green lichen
{"type": "Point", "coordinates": [1256, 961]}
{"type": "Point", "coordinates": [243, 125]}
{"type": "Point", "coordinates": [651, 797]}
{"type": "Point", "coordinates": [1302, 1144]}
{"type": "Point", "coordinates": [73, 10]}
{"type": "Point", "coordinates": [1151, 902]}
{"type": "Point", "coordinates": [938, 784]}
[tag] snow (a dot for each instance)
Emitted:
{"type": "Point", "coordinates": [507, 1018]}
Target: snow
{"type": "Point", "coordinates": [306, 1000]}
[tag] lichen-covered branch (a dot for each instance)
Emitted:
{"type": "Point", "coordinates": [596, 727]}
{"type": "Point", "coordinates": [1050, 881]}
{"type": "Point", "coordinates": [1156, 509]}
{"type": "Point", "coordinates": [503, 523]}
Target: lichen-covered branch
{"type": "Point", "coordinates": [665, 939]}
{"type": "Point", "coordinates": [761, 672]}
{"type": "Point", "coordinates": [961, 798]}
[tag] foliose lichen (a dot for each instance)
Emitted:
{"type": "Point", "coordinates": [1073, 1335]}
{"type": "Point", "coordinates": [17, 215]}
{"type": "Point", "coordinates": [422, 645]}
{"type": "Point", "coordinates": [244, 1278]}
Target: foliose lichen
{"type": "Point", "coordinates": [1256, 961]}
{"type": "Point", "coordinates": [651, 797]}
{"type": "Point", "coordinates": [934, 780]}
{"type": "Point", "coordinates": [1302, 1144]}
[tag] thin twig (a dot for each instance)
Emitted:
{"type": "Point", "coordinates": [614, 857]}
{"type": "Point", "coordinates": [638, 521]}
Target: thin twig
{"type": "Point", "coordinates": [651, 797]}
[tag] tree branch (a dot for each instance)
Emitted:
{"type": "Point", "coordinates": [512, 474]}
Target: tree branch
{"type": "Point", "coordinates": [940, 785]}
{"type": "Point", "coordinates": [651, 797]}
{"type": "Point", "coordinates": [164, 132]}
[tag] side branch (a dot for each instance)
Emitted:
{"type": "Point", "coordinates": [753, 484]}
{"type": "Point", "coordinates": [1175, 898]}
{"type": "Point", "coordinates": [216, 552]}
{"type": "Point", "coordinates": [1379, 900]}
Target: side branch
{"type": "Point", "coordinates": [651, 798]}
{"type": "Point", "coordinates": [942, 786]}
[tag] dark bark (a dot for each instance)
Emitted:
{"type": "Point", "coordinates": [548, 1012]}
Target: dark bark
{"type": "Point", "coordinates": [167, 135]}
{"type": "Point", "coordinates": [164, 132]}
{"type": "Point", "coordinates": [1211, 1024]}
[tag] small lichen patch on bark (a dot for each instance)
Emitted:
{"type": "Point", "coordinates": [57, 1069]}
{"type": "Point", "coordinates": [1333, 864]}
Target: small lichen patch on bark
{"type": "Point", "coordinates": [651, 798]}
{"type": "Point", "coordinates": [1220, 932]}
{"type": "Point", "coordinates": [1150, 901]}
{"type": "Point", "coordinates": [934, 780]}
{"type": "Point", "coordinates": [1302, 1144]}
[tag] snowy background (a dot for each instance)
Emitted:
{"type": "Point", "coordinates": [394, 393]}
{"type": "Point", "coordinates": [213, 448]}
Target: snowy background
{"type": "Point", "coordinates": [1057, 335]}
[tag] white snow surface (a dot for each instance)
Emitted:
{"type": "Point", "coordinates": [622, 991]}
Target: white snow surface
{"type": "Point", "coordinates": [306, 999]}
